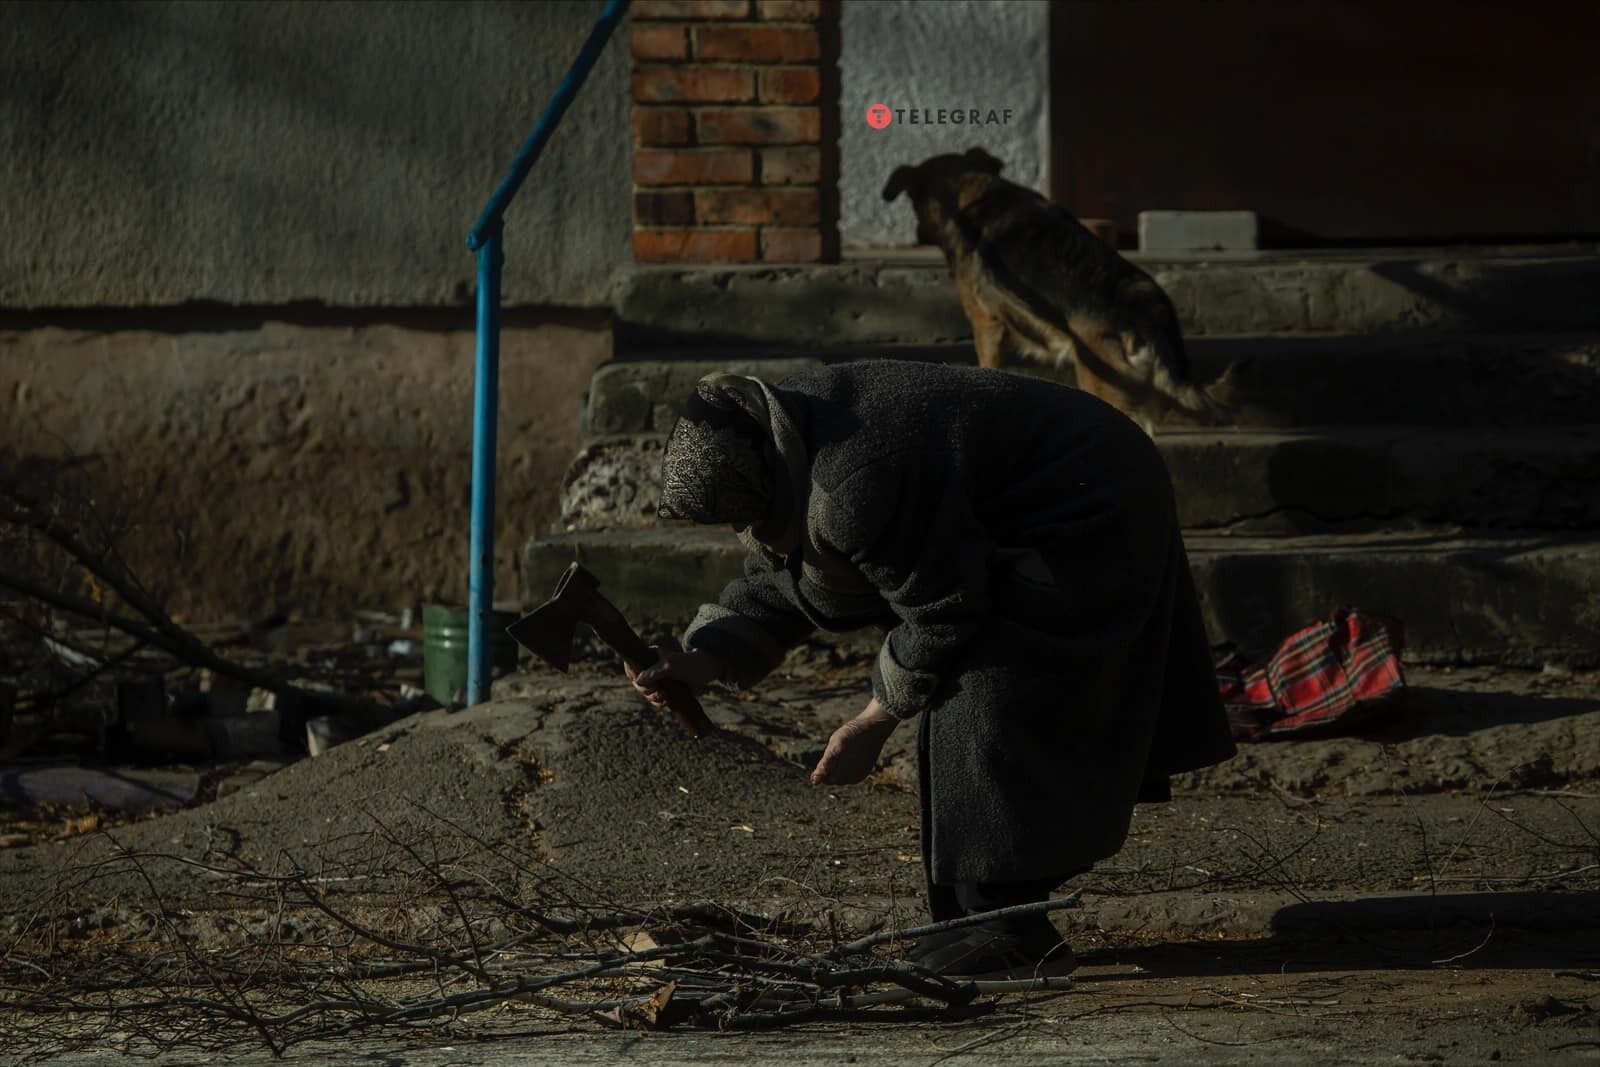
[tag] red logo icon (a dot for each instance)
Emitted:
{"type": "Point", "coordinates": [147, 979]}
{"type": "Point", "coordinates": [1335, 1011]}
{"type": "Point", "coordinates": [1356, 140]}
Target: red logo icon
{"type": "Point", "coordinates": [879, 116]}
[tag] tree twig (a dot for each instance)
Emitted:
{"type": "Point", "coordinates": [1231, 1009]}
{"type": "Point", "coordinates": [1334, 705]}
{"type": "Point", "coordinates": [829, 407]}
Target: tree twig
{"type": "Point", "coordinates": [861, 944]}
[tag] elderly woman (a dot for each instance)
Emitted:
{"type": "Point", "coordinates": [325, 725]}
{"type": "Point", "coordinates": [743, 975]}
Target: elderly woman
{"type": "Point", "coordinates": [1020, 541]}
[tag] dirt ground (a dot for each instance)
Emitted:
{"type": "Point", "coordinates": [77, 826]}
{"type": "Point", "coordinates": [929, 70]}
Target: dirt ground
{"type": "Point", "coordinates": [1425, 890]}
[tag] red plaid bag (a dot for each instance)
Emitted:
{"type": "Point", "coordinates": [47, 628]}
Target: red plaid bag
{"type": "Point", "coordinates": [1330, 674]}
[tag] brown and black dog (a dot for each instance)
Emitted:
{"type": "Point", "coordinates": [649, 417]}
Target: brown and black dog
{"type": "Point", "coordinates": [1034, 282]}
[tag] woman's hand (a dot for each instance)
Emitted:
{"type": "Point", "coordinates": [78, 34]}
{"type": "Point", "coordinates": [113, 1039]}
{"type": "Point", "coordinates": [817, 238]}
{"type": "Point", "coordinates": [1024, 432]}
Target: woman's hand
{"type": "Point", "coordinates": [694, 669]}
{"type": "Point", "coordinates": [853, 749]}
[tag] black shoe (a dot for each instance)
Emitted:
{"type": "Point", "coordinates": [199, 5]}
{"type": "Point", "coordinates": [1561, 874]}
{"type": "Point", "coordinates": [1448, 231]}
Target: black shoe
{"type": "Point", "coordinates": [994, 950]}
{"type": "Point", "coordinates": [928, 944]}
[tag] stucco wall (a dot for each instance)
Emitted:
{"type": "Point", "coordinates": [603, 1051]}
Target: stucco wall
{"type": "Point", "coordinates": [235, 279]}
{"type": "Point", "coordinates": [307, 466]}
{"type": "Point", "coordinates": [931, 54]}
{"type": "Point", "coordinates": [266, 152]}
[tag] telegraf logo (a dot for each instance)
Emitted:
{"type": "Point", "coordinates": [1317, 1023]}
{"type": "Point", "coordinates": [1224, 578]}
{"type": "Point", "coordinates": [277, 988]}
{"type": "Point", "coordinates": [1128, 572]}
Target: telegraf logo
{"type": "Point", "coordinates": [882, 116]}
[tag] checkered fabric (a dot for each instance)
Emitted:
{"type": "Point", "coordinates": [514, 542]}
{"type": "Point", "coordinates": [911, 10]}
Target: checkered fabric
{"type": "Point", "coordinates": [1327, 676]}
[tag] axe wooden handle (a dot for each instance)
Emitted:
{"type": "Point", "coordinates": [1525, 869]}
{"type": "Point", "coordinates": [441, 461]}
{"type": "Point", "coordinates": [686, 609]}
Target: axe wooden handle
{"type": "Point", "coordinates": [691, 716]}
{"type": "Point", "coordinates": [615, 631]}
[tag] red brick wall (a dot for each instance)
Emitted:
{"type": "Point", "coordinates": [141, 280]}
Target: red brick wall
{"type": "Point", "coordinates": [735, 130]}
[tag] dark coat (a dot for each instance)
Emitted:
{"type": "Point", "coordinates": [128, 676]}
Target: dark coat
{"type": "Point", "coordinates": [1021, 540]}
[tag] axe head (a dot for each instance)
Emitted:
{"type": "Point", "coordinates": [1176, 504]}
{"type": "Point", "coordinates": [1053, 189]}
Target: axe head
{"type": "Point", "coordinates": [547, 631]}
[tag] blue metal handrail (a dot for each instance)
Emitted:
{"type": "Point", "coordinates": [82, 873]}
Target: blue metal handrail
{"type": "Point", "coordinates": [487, 240]}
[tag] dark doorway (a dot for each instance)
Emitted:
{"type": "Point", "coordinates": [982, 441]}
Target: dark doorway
{"type": "Point", "coordinates": [1339, 122]}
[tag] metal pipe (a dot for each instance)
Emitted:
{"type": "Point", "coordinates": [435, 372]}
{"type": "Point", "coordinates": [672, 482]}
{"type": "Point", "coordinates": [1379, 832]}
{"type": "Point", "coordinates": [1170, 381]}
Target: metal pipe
{"type": "Point", "coordinates": [485, 424]}
{"type": "Point", "coordinates": [548, 122]}
{"type": "Point", "coordinates": [487, 239]}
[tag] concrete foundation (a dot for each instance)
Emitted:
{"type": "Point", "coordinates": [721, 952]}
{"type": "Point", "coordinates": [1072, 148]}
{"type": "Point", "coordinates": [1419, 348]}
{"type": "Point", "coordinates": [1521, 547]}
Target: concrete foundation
{"type": "Point", "coordinates": [302, 466]}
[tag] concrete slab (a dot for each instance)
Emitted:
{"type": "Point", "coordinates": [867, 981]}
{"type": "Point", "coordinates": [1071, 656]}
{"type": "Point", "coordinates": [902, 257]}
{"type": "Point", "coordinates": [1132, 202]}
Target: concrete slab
{"type": "Point", "coordinates": [118, 789]}
{"type": "Point", "coordinates": [1383, 294]}
{"type": "Point", "coordinates": [1478, 380]}
{"type": "Point", "coordinates": [1515, 600]}
{"type": "Point", "coordinates": [826, 307]}
{"type": "Point", "coordinates": [1416, 379]}
{"type": "Point", "coordinates": [1271, 481]}
{"type": "Point", "coordinates": [1308, 480]}
{"type": "Point", "coordinates": [1521, 601]}
{"type": "Point", "coordinates": [803, 308]}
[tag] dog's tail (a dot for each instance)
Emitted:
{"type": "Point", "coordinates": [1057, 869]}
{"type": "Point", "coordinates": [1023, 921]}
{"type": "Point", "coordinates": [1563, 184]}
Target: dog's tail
{"type": "Point", "coordinates": [1216, 403]}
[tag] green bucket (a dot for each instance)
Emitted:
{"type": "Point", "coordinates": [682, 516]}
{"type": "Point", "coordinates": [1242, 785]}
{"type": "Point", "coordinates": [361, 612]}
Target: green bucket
{"type": "Point", "coordinates": [444, 648]}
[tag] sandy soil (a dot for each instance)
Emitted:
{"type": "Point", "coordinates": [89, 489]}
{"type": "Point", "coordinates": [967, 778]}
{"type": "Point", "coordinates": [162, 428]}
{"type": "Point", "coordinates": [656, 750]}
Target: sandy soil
{"type": "Point", "coordinates": [1425, 890]}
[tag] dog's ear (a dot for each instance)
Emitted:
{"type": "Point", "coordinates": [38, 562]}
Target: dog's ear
{"type": "Point", "coordinates": [984, 161]}
{"type": "Point", "coordinates": [899, 182]}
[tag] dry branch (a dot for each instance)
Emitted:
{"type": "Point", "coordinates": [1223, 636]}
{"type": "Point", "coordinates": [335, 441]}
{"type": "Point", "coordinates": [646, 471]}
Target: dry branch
{"type": "Point", "coordinates": [433, 929]}
{"type": "Point", "coordinates": [59, 525]}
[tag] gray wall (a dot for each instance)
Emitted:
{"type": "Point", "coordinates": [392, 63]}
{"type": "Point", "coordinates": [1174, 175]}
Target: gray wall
{"type": "Point", "coordinates": [265, 152]}
{"type": "Point", "coordinates": [932, 54]}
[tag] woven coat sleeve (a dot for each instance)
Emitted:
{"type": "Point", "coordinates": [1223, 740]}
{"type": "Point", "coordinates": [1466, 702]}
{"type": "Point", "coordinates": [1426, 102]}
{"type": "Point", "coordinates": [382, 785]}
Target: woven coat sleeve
{"type": "Point", "coordinates": [910, 530]}
{"type": "Point", "coordinates": [753, 624]}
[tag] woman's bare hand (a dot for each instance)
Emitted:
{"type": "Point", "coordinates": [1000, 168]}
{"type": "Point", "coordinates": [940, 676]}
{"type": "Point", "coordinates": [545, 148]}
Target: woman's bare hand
{"type": "Point", "coordinates": [695, 669]}
{"type": "Point", "coordinates": [853, 749]}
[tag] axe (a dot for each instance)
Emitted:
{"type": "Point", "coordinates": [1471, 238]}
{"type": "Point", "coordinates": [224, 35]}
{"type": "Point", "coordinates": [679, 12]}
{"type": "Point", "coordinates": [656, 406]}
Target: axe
{"type": "Point", "coordinates": [548, 631]}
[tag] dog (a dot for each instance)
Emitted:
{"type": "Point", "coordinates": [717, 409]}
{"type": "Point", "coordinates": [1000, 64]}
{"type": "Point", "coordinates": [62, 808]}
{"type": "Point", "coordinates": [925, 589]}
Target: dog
{"type": "Point", "coordinates": [1036, 284]}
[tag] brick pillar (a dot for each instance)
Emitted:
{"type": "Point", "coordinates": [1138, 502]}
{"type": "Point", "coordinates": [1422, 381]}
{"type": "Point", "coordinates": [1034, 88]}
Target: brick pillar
{"type": "Point", "coordinates": [735, 131]}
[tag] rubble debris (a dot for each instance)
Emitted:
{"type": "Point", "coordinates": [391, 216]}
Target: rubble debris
{"type": "Point", "coordinates": [325, 731]}
{"type": "Point", "coordinates": [120, 790]}
{"type": "Point", "coordinates": [141, 699]}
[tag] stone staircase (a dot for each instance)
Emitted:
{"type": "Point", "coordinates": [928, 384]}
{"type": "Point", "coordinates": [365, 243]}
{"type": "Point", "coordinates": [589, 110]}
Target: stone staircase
{"type": "Point", "coordinates": [1419, 434]}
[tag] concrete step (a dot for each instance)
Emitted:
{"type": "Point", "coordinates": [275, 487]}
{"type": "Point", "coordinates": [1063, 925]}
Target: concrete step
{"type": "Point", "coordinates": [1305, 481]}
{"type": "Point", "coordinates": [1375, 291]}
{"type": "Point", "coordinates": [645, 396]}
{"type": "Point", "coordinates": [1264, 481]}
{"type": "Point", "coordinates": [1478, 380]}
{"type": "Point", "coordinates": [1515, 600]}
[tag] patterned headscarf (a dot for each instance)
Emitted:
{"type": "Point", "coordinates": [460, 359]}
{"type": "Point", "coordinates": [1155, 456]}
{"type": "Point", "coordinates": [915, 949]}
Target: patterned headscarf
{"type": "Point", "coordinates": [719, 466]}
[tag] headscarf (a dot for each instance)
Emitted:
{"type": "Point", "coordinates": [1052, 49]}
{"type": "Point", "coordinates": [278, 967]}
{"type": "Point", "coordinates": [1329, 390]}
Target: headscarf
{"type": "Point", "coordinates": [720, 465]}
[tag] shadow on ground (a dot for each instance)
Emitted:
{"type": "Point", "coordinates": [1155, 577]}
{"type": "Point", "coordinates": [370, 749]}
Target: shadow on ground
{"type": "Point", "coordinates": [1425, 711]}
{"type": "Point", "coordinates": [1461, 931]}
